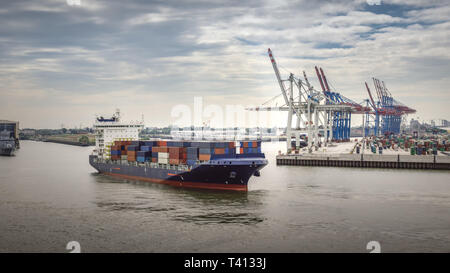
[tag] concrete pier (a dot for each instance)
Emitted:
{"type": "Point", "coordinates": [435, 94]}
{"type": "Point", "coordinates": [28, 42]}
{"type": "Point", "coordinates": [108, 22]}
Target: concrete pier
{"type": "Point", "coordinates": [367, 161]}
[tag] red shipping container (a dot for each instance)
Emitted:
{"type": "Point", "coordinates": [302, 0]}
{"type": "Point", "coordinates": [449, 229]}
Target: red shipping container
{"type": "Point", "coordinates": [177, 152]}
{"type": "Point", "coordinates": [231, 145]}
{"type": "Point", "coordinates": [174, 151]}
{"type": "Point", "coordinates": [154, 159]}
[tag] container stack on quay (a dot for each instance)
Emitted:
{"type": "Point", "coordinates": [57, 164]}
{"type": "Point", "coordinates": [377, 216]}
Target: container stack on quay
{"type": "Point", "coordinates": [180, 152]}
{"type": "Point", "coordinates": [428, 145]}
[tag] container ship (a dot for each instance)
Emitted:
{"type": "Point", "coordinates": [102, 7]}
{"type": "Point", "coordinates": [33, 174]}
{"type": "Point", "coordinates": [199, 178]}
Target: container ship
{"type": "Point", "coordinates": [7, 143]}
{"type": "Point", "coordinates": [192, 164]}
{"type": "Point", "coordinates": [9, 137]}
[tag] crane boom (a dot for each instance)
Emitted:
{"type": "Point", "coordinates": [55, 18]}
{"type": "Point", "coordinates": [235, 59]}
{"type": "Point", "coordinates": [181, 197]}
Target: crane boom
{"type": "Point", "coordinates": [277, 74]}
{"type": "Point", "coordinates": [370, 96]}
{"type": "Point", "coordinates": [377, 88]}
{"type": "Point", "coordinates": [325, 79]}
{"type": "Point", "coordinates": [387, 91]}
{"type": "Point", "coordinates": [306, 79]}
{"type": "Point", "coordinates": [320, 79]}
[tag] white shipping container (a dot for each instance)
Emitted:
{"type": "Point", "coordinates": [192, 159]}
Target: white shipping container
{"type": "Point", "coordinates": [163, 160]}
{"type": "Point", "coordinates": [163, 155]}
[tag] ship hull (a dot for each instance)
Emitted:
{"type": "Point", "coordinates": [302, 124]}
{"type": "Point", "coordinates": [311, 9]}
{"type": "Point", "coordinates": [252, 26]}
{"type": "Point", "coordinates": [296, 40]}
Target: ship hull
{"type": "Point", "coordinates": [7, 151]}
{"type": "Point", "coordinates": [224, 174]}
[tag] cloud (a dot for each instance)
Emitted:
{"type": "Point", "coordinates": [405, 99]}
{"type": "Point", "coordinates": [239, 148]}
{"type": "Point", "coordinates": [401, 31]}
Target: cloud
{"type": "Point", "coordinates": [152, 55]}
{"type": "Point", "coordinates": [161, 15]}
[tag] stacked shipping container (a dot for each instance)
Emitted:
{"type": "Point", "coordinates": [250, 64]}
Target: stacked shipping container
{"type": "Point", "coordinates": [428, 145]}
{"type": "Point", "coordinates": [178, 152]}
{"type": "Point", "coordinates": [250, 147]}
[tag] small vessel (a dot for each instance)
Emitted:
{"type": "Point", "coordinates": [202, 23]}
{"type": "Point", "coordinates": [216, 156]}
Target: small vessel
{"type": "Point", "coordinates": [7, 143]}
{"type": "Point", "coordinates": [219, 165]}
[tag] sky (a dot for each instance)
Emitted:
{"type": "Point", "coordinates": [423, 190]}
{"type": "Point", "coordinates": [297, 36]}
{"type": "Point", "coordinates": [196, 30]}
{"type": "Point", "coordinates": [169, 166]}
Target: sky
{"type": "Point", "coordinates": [64, 61]}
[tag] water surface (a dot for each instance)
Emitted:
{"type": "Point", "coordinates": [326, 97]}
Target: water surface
{"type": "Point", "coordinates": [49, 195]}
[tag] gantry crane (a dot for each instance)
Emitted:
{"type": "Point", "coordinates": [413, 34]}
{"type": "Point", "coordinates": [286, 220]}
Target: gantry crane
{"type": "Point", "coordinates": [322, 116]}
{"type": "Point", "coordinates": [387, 108]}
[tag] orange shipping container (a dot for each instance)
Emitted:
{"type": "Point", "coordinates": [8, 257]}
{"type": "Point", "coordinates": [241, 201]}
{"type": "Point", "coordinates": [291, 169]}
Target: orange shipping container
{"type": "Point", "coordinates": [162, 143]}
{"type": "Point", "coordinates": [159, 149]}
{"type": "Point", "coordinates": [204, 157]}
{"type": "Point", "coordinates": [241, 150]}
{"type": "Point", "coordinates": [231, 145]}
{"type": "Point", "coordinates": [219, 151]}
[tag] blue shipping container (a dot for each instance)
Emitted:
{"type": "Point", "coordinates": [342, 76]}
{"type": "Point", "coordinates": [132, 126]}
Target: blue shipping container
{"type": "Point", "coordinates": [191, 162]}
{"type": "Point", "coordinates": [142, 159]}
{"type": "Point", "coordinates": [143, 153]}
{"type": "Point", "coordinates": [205, 151]}
{"type": "Point", "coordinates": [132, 148]}
{"type": "Point", "coordinates": [205, 145]}
{"type": "Point", "coordinates": [192, 150]}
{"type": "Point", "coordinates": [149, 143]}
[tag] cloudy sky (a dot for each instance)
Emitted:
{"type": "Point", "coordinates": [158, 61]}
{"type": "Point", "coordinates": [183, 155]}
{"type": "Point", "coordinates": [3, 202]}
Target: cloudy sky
{"type": "Point", "coordinates": [62, 63]}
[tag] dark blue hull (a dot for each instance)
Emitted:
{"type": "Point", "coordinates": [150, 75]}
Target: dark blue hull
{"type": "Point", "coordinates": [220, 174]}
{"type": "Point", "coordinates": [7, 151]}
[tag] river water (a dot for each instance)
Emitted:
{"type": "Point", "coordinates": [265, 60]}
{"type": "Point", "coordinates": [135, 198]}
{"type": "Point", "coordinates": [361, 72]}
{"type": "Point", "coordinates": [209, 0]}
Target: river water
{"type": "Point", "coordinates": [49, 195]}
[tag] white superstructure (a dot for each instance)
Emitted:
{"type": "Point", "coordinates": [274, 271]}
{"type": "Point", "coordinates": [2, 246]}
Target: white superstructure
{"type": "Point", "coordinates": [110, 129]}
